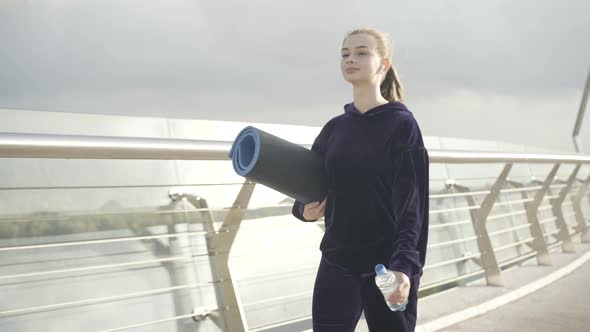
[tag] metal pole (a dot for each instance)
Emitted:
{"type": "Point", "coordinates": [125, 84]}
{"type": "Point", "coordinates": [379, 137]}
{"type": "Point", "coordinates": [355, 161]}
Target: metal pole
{"type": "Point", "coordinates": [532, 210]}
{"type": "Point", "coordinates": [576, 133]}
{"type": "Point", "coordinates": [567, 244]}
{"type": "Point", "coordinates": [219, 244]}
{"type": "Point", "coordinates": [480, 217]}
{"type": "Point", "coordinates": [580, 218]}
{"type": "Point", "coordinates": [18, 145]}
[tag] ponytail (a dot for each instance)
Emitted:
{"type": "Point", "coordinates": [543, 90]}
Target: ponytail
{"type": "Point", "coordinates": [391, 87]}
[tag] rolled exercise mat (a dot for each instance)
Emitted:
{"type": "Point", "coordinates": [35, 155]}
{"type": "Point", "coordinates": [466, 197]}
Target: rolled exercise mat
{"type": "Point", "coordinates": [279, 164]}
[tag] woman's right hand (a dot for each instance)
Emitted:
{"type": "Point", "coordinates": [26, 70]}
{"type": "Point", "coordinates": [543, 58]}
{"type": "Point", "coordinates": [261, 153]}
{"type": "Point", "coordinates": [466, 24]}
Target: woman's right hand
{"type": "Point", "coordinates": [314, 210]}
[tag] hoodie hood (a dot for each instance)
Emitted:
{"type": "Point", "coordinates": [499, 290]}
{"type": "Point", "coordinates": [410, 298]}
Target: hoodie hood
{"type": "Point", "coordinates": [391, 106]}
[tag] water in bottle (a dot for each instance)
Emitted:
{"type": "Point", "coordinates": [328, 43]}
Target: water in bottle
{"type": "Point", "coordinates": [386, 282]}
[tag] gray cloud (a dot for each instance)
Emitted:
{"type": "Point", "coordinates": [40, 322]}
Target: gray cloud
{"type": "Point", "coordinates": [278, 61]}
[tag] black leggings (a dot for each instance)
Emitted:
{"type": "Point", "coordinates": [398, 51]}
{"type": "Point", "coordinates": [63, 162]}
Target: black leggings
{"type": "Point", "coordinates": [340, 295]}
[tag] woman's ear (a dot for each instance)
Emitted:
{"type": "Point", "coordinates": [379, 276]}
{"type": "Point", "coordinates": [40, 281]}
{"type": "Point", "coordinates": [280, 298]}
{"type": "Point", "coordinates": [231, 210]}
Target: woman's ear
{"type": "Point", "coordinates": [386, 63]}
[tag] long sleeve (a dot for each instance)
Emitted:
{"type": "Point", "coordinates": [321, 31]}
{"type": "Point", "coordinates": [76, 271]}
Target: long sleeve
{"type": "Point", "coordinates": [317, 146]}
{"type": "Point", "coordinates": [410, 196]}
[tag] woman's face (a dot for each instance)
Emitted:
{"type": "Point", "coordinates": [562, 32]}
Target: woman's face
{"type": "Point", "coordinates": [360, 60]}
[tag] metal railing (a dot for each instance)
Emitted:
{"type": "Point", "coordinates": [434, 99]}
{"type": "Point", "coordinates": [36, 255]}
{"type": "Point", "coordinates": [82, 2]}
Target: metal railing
{"type": "Point", "coordinates": [479, 253]}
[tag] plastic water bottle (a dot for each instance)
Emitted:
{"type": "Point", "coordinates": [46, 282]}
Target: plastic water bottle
{"type": "Point", "coordinates": [387, 283]}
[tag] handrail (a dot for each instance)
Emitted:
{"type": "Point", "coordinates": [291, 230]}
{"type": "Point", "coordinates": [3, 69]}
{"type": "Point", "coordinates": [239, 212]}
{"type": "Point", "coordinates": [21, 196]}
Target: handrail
{"type": "Point", "coordinates": [19, 145]}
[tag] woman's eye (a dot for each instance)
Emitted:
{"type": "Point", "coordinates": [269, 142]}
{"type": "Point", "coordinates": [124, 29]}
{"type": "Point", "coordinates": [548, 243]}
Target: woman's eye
{"type": "Point", "coordinates": [345, 55]}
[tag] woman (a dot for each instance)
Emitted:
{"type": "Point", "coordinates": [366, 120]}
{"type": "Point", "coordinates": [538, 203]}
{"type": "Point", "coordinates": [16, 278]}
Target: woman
{"type": "Point", "coordinates": [376, 209]}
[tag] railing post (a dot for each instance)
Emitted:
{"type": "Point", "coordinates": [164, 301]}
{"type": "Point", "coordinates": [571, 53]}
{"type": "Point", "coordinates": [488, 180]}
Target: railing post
{"type": "Point", "coordinates": [581, 221]}
{"type": "Point", "coordinates": [532, 209]}
{"type": "Point", "coordinates": [219, 244]}
{"type": "Point", "coordinates": [479, 217]}
{"type": "Point", "coordinates": [563, 235]}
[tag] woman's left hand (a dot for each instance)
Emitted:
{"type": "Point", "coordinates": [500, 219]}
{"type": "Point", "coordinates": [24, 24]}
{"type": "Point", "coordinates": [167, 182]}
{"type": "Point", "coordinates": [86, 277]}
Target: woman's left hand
{"type": "Point", "coordinates": [400, 295]}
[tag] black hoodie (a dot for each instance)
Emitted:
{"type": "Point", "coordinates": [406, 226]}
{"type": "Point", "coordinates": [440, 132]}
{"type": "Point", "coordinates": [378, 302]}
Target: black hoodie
{"type": "Point", "coordinates": [377, 202]}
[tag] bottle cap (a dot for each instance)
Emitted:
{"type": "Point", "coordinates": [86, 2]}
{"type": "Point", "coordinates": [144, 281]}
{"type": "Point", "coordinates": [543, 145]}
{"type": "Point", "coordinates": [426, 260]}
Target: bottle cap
{"type": "Point", "coordinates": [380, 269]}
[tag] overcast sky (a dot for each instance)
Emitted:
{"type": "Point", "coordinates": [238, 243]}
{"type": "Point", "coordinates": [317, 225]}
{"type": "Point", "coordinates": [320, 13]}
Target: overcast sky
{"type": "Point", "coordinates": [502, 70]}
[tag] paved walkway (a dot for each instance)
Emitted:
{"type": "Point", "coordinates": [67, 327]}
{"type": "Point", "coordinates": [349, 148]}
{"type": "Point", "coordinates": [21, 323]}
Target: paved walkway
{"type": "Point", "coordinates": [524, 300]}
{"type": "Point", "coordinates": [563, 305]}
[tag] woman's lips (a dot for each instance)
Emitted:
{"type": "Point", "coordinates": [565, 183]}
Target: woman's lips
{"type": "Point", "coordinates": [350, 70]}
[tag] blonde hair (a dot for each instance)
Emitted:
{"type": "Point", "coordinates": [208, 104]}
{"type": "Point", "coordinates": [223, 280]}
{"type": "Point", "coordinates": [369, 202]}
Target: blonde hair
{"type": "Point", "coordinates": [391, 86]}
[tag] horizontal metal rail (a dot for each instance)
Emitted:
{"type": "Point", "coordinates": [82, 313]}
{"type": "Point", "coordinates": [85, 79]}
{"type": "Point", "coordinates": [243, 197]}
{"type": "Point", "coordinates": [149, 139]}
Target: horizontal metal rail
{"type": "Point", "coordinates": [19, 145]}
{"type": "Point", "coordinates": [450, 261]}
{"type": "Point", "coordinates": [446, 243]}
{"type": "Point", "coordinates": [454, 223]}
{"type": "Point", "coordinates": [70, 215]}
{"type": "Point", "coordinates": [95, 267]}
{"type": "Point", "coordinates": [467, 193]}
{"type": "Point", "coordinates": [300, 269]}
{"type": "Point", "coordinates": [450, 280]}
{"type": "Point", "coordinates": [164, 320]}
{"type": "Point", "coordinates": [554, 244]}
{"type": "Point", "coordinates": [515, 190]}
{"type": "Point", "coordinates": [284, 297]}
{"type": "Point", "coordinates": [152, 322]}
{"type": "Point", "coordinates": [462, 208]}
{"type": "Point", "coordinates": [508, 230]}
{"type": "Point", "coordinates": [118, 213]}
{"type": "Point", "coordinates": [514, 202]}
{"type": "Point", "coordinates": [94, 300]}
{"type": "Point", "coordinates": [15, 145]}
{"type": "Point", "coordinates": [101, 241]}
{"type": "Point", "coordinates": [514, 244]}
{"type": "Point", "coordinates": [546, 220]}
{"type": "Point", "coordinates": [123, 186]}
{"type": "Point", "coordinates": [520, 258]}
{"type": "Point", "coordinates": [508, 214]}
{"type": "Point", "coordinates": [313, 245]}
{"type": "Point", "coordinates": [551, 233]}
